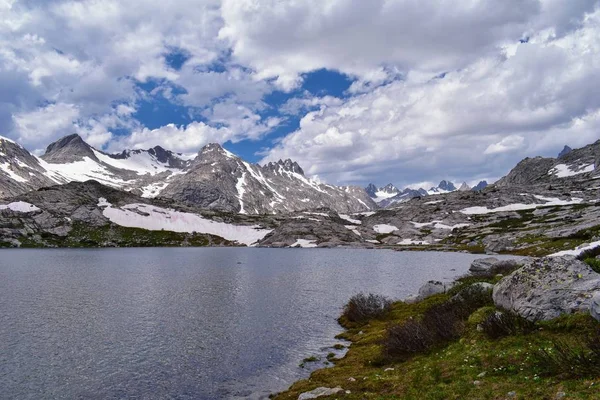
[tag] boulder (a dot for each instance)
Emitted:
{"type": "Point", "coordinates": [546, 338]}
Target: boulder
{"type": "Point", "coordinates": [482, 265]}
{"type": "Point", "coordinates": [547, 287]}
{"type": "Point", "coordinates": [433, 287]}
{"type": "Point", "coordinates": [595, 306]}
{"type": "Point", "coordinates": [318, 392]}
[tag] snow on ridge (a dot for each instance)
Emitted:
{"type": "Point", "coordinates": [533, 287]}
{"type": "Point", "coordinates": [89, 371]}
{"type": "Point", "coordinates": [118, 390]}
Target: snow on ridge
{"type": "Point", "coordinates": [564, 170]}
{"type": "Point", "coordinates": [550, 201]}
{"type": "Point", "coordinates": [154, 218]}
{"type": "Point", "coordinates": [349, 219]}
{"type": "Point", "coordinates": [577, 251]}
{"type": "Point", "coordinates": [141, 163]}
{"type": "Point", "coordinates": [384, 228]}
{"type": "Point", "coordinates": [6, 168]}
{"type": "Point", "coordinates": [19, 206]}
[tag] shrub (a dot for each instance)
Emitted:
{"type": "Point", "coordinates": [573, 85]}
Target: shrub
{"type": "Point", "coordinates": [440, 324]}
{"type": "Point", "coordinates": [569, 360]}
{"type": "Point", "coordinates": [363, 307]}
{"type": "Point", "coordinates": [506, 323]}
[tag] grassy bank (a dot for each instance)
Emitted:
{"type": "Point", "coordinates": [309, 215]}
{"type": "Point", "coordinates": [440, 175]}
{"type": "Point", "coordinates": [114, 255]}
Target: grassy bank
{"type": "Point", "coordinates": [510, 359]}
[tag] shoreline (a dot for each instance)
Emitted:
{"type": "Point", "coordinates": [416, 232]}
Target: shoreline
{"type": "Point", "coordinates": [363, 374]}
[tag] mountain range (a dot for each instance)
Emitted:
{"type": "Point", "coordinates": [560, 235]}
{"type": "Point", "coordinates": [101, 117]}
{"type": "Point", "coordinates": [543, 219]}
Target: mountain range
{"type": "Point", "coordinates": [389, 195]}
{"type": "Point", "coordinates": [212, 179]}
{"type": "Point", "coordinates": [75, 195]}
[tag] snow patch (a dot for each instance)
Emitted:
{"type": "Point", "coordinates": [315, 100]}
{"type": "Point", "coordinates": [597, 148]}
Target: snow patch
{"type": "Point", "coordinates": [7, 168]}
{"type": "Point", "coordinates": [408, 242]}
{"type": "Point", "coordinates": [550, 201]}
{"type": "Point", "coordinates": [349, 219]}
{"type": "Point", "coordinates": [19, 206]}
{"type": "Point", "coordinates": [154, 218]}
{"type": "Point", "coordinates": [353, 229]}
{"type": "Point", "coordinates": [577, 251]}
{"type": "Point", "coordinates": [384, 228]}
{"type": "Point", "coordinates": [564, 170]}
{"type": "Point", "coordinates": [304, 243]}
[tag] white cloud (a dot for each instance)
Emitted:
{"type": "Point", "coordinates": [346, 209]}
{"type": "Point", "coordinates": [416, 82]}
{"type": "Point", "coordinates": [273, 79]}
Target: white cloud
{"type": "Point", "coordinates": [509, 143]}
{"type": "Point", "coordinates": [284, 39]}
{"type": "Point", "coordinates": [530, 100]}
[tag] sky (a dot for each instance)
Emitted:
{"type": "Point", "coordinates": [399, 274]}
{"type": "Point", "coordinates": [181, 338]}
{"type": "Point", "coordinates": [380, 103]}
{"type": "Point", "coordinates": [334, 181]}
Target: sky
{"type": "Point", "coordinates": [402, 91]}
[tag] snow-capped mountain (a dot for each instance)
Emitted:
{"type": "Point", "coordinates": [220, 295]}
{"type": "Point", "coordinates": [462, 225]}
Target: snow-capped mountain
{"type": "Point", "coordinates": [577, 164]}
{"type": "Point", "coordinates": [383, 193]}
{"type": "Point", "coordinates": [443, 187]}
{"type": "Point", "coordinates": [214, 179]}
{"type": "Point", "coordinates": [218, 179]}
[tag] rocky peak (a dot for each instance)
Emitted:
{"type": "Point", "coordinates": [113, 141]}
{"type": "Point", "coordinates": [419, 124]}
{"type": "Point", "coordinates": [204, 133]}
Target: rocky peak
{"type": "Point", "coordinates": [480, 186]}
{"type": "Point", "coordinates": [447, 186]}
{"type": "Point", "coordinates": [287, 165]}
{"type": "Point", "coordinates": [371, 189]}
{"type": "Point", "coordinates": [464, 187]}
{"type": "Point", "coordinates": [68, 149]}
{"type": "Point", "coordinates": [566, 150]}
{"type": "Point", "coordinates": [389, 188]}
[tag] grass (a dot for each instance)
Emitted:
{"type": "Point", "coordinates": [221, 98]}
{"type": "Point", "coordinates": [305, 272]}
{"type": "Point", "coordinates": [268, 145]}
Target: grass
{"type": "Point", "coordinates": [504, 364]}
{"type": "Point", "coordinates": [111, 235]}
{"type": "Point", "coordinates": [589, 257]}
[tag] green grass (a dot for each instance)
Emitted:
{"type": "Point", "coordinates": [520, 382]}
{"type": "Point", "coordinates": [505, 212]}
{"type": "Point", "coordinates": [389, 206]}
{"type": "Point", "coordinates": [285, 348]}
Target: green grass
{"type": "Point", "coordinates": [110, 235]}
{"type": "Point", "coordinates": [500, 365]}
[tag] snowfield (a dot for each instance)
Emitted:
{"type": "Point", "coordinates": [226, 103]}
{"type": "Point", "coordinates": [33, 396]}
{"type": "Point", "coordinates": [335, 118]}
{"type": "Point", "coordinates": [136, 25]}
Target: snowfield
{"type": "Point", "coordinates": [438, 225]}
{"type": "Point", "coordinates": [550, 201]}
{"type": "Point", "coordinates": [349, 219]}
{"type": "Point", "coordinates": [408, 242]}
{"type": "Point", "coordinates": [156, 218]}
{"type": "Point", "coordinates": [19, 206]}
{"type": "Point", "coordinates": [384, 228]}
{"type": "Point", "coordinates": [563, 170]}
{"type": "Point", "coordinates": [305, 243]}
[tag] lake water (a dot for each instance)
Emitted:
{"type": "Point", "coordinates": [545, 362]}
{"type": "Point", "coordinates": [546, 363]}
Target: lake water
{"type": "Point", "coordinates": [168, 323]}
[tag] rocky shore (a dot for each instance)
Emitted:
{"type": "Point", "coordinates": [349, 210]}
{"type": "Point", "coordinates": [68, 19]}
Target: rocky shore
{"type": "Point", "coordinates": [509, 330]}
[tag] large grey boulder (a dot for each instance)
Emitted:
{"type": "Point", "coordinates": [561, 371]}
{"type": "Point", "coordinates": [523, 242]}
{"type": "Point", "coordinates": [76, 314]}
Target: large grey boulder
{"type": "Point", "coordinates": [545, 288]}
{"type": "Point", "coordinates": [433, 287]}
{"type": "Point", "coordinates": [595, 306]}
{"type": "Point", "coordinates": [482, 265]}
{"type": "Point", "coordinates": [318, 392]}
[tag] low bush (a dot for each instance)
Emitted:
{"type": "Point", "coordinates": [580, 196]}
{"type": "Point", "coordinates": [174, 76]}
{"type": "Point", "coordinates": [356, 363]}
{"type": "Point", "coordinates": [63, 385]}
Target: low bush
{"type": "Point", "coordinates": [501, 324]}
{"type": "Point", "coordinates": [363, 307]}
{"type": "Point", "coordinates": [570, 360]}
{"type": "Point", "coordinates": [439, 324]}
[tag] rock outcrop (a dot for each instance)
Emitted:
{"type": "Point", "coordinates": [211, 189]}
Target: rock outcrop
{"type": "Point", "coordinates": [545, 288]}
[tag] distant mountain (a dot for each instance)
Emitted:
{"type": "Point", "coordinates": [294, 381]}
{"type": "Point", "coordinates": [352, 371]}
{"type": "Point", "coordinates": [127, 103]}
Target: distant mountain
{"type": "Point", "coordinates": [214, 179]}
{"type": "Point", "coordinates": [480, 186]}
{"type": "Point", "coordinates": [464, 187]}
{"type": "Point", "coordinates": [443, 187]}
{"type": "Point", "coordinates": [578, 164]}
{"type": "Point", "coordinates": [566, 150]}
{"type": "Point", "coordinates": [217, 179]}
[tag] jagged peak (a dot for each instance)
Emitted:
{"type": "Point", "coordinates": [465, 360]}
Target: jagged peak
{"type": "Point", "coordinates": [287, 165]}
{"type": "Point", "coordinates": [215, 148]}
{"type": "Point", "coordinates": [68, 149]}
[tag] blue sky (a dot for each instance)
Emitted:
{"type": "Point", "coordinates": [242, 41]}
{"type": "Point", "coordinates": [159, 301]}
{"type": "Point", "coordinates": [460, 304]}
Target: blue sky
{"type": "Point", "coordinates": [356, 92]}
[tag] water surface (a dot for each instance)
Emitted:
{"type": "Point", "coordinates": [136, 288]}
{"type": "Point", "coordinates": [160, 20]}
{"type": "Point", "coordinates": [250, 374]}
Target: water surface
{"type": "Point", "coordinates": [171, 323]}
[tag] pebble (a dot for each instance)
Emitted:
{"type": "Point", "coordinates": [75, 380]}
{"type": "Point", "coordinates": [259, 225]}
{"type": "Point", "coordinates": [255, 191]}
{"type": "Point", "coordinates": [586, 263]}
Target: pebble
{"type": "Point", "coordinates": [351, 379]}
{"type": "Point", "coordinates": [476, 383]}
{"type": "Point", "coordinates": [481, 375]}
{"type": "Point", "coordinates": [512, 394]}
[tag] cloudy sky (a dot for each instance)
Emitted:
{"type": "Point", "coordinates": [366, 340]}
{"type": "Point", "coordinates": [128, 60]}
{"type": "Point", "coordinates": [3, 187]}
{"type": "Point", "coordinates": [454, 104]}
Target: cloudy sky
{"type": "Point", "coordinates": [402, 91]}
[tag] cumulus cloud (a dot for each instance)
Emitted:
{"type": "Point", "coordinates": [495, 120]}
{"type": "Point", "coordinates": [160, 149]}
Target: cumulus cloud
{"type": "Point", "coordinates": [440, 89]}
{"type": "Point", "coordinates": [528, 98]}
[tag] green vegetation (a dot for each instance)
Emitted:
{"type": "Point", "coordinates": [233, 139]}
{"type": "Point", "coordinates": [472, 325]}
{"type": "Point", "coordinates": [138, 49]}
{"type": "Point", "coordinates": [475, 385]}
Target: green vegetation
{"type": "Point", "coordinates": [111, 235]}
{"type": "Point", "coordinates": [481, 357]}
